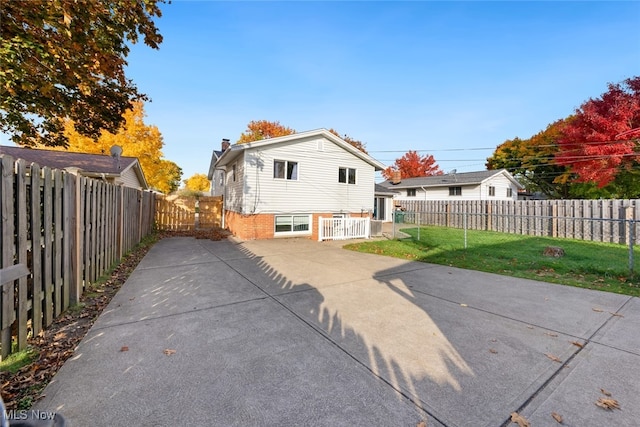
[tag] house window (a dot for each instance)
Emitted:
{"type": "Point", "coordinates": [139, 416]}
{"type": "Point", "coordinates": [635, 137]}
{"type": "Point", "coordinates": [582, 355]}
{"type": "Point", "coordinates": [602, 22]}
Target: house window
{"type": "Point", "coordinates": [292, 224]}
{"type": "Point", "coordinates": [509, 192]}
{"type": "Point", "coordinates": [347, 175]}
{"type": "Point", "coordinates": [455, 191]}
{"type": "Point", "coordinates": [411, 192]}
{"type": "Point", "coordinates": [492, 191]}
{"type": "Point", "coordinates": [284, 169]}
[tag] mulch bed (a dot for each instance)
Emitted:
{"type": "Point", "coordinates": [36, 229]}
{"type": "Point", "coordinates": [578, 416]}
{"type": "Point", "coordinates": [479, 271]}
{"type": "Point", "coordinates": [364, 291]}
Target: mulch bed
{"type": "Point", "coordinates": [58, 342]}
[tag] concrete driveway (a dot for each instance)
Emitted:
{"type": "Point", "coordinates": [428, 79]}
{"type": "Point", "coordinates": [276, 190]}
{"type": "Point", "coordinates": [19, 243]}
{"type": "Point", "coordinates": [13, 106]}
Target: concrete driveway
{"type": "Point", "coordinates": [293, 332]}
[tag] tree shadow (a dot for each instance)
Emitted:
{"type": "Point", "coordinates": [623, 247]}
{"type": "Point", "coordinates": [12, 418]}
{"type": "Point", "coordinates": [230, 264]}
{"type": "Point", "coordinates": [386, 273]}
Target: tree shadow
{"type": "Point", "coordinates": [372, 316]}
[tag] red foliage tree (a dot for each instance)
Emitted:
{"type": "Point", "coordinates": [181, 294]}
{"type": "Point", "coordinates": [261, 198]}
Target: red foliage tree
{"type": "Point", "coordinates": [597, 142]}
{"type": "Point", "coordinates": [413, 165]}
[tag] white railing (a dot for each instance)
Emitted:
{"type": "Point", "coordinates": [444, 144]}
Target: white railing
{"type": "Point", "coordinates": [343, 228]}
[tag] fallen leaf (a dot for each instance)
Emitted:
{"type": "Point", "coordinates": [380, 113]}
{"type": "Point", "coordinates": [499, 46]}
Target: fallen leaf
{"type": "Point", "coordinates": [556, 416]}
{"type": "Point", "coordinates": [616, 314]}
{"type": "Point", "coordinates": [552, 357]}
{"type": "Point", "coordinates": [519, 419]}
{"type": "Point", "coordinates": [492, 350]}
{"type": "Point", "coordinates": [169, 351]}
{"type": "Point", "coordinates": [529, 327]}
{"type": "Point", "coordinates": [124, 348]}
{"type": "Point", "coordinates": [605, 392]}
{"type": "Point", "coordinates": [463, 305]}
{"type": "Point", "coordinates": [608, 404]}
{"type": "Point", "coordinates": [597, 310]}
{"type": "Point", "coordinates": [422, 424]}
{"type": "Point", "coordinates": [577, 344]}
{"type": "Point", "coordinates": [551, 334]}
{"type": "Point", "coordinates": [494, 340]}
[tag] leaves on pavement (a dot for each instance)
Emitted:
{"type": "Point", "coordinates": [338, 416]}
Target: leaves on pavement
{"type": "Point", "coordinates": [552, 357]}
{"type": "Point", "coordinates": [169, 351]}
{"type": "Point", "coordinates": [556, 416]}
{"type": "Point", "coordinates": [519, 419]}
{"type": "Point", "coordinates": [607, 403]}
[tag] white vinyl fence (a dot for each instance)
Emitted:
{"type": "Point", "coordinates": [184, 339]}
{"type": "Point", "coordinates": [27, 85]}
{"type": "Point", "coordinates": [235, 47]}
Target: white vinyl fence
{"type": "Point", "coordinates": [343, 228]}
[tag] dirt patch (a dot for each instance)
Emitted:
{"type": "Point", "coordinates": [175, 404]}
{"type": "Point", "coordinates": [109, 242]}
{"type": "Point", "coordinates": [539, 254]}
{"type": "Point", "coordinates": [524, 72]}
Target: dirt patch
{"type": "Point", "coordinates": [59, 341]}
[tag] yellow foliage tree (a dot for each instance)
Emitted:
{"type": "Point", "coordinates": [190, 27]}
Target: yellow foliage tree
{"type": "Point", "coordinates": [137, 140]}
{"type": "Point", "coordinates": [197, 182]}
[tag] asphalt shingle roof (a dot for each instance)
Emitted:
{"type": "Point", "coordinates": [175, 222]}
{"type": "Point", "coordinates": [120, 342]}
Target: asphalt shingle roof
{"type": "Point", "coordinates": [91, 163]}
{"type": "Point", "coordinates": [463, 178]}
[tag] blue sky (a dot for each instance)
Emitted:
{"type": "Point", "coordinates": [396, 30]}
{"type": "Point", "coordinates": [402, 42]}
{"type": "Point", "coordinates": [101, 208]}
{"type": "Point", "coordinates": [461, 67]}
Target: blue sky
{"type": "Point", "coordinates": [452, 79]}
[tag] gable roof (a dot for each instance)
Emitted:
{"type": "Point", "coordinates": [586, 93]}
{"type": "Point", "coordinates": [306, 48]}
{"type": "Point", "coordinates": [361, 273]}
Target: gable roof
{"type": "Point", "coordinates": [447, 180]}
{"type": "Point", "coordinates": [214, 158]}
{"type": "Point", "coordinates": [95, 165]}
{"type": "Point", "coordinates": [384, 191]}
{"type": "Point", "coordinates": [230, 154]}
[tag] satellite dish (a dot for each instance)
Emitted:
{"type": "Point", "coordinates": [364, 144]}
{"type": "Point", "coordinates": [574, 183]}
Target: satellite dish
{"type": "Point", "coordinates": [115, 151]}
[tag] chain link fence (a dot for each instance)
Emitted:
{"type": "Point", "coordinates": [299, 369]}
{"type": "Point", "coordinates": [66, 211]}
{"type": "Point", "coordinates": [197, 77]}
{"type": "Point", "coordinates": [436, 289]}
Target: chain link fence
{"type": "Point", "coordinates": [613, 239]}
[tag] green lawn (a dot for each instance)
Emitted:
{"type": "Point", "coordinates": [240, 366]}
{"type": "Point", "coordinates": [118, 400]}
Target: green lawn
{"type": "Point", "coordinates": [590, 265]}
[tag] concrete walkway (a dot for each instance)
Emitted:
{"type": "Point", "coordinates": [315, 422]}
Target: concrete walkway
{"type": "Point", "coordinates": [293, 332]}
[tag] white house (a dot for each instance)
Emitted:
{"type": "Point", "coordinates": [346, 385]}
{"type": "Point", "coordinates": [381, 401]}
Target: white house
{"type": "Point", "coordinates": [216, 176]}
{"type": "Point", "coordinates": [482, 185]}
{"type": "Point", "coordinates": [280, 186]}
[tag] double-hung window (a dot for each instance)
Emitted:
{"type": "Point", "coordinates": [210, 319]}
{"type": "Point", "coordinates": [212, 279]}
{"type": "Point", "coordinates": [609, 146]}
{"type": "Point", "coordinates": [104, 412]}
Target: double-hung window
{"type": "Point", "coordinates": [492, 191]}
{"type": "Point", "coordinates": [455, 191]}
{"type": "Point", "coordinates": [347, 175]}
{"type": "Point", "coordinates": [411, 192]}
{"type": "Point", "coordinates": [285, 169]}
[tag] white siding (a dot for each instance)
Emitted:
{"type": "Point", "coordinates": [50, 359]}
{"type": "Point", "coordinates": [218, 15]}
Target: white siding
{"type": "Point", "coordinates": [501, 184]}
{"type": "Point", "coordinates": [469, 192]}
{"type": "Point", "coordinates": [128, 178]}
{"type": "Point", "coordinates": [233, 191]}
{"type": "Point", "coordinates": [317, 188]}
{"type": "Point", "coordinates": [217, 183]}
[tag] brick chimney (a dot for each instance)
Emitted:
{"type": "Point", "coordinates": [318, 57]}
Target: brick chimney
{"type": "Point", "coordinates": [225, 144]}
{"type": "Point", "coordinates": [396, 177]}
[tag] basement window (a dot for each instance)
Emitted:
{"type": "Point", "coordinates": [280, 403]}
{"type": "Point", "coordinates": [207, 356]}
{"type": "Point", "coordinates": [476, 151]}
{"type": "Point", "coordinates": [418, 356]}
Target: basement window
{"type": "Point", "coordinates": [292, 224]}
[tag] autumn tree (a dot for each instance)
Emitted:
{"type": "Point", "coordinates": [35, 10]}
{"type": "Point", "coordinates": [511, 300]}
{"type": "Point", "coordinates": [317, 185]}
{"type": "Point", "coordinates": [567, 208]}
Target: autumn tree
{"type": "Point", "coordinates": [137, 139]}
{"type": "Point", "coordinates": [602, 141]}
{"type": "Point", "coordinates": [65, 59]}
{"type": "Point", "coordinates": [197, 182]}
{"type": "Point", "coordinates": [263, 129]}
{"type": "Point", "coordinates": [357, 144]}
{"type": "Point", "coordinates": [532, 161]}
{"type": "Point", "coordinates": [413, 165]}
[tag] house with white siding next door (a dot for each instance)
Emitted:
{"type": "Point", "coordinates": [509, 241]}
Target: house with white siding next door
{"type": "Point", "coordinates": [279, 187]}
{"type": "Point", "coordinates": [481, 185]}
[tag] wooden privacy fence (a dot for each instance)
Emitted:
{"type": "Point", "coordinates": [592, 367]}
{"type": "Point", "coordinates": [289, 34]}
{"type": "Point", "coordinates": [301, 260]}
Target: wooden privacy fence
{"type": "Point", "coordinates": [68, 231]}
{"type": "Point", "coordinates": [613, 221]}
{"type": "Point", "coordinates": [176, 213]}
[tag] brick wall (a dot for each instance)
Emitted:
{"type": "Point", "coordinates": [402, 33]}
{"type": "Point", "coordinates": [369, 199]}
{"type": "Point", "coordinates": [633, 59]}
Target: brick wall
{"type": "Point", "coordinates": [261, 226]}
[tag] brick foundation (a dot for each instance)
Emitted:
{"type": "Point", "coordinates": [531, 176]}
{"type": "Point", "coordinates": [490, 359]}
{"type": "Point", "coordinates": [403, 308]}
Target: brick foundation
{"type": "Point", "coordinates": [261, 226]}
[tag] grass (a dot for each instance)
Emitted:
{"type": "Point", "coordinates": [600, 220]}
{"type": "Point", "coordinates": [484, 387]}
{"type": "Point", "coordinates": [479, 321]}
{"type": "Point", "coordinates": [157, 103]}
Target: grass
{"type": "Point", "coordinates": [17, 360]}
{"type": "Point", "coordinates": [592, 265]}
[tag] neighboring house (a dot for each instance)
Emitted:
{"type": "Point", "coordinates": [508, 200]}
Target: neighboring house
{"type": "Point", "coordinates": [281, 186]}
{"type": "Point", "coordinates": [122, 170]}
{"type": "Point", "coordinates": [482, 185]}
{"type": "Point", "coordinates": [216, 176]}
{"type": "Point", "coordinates": [383, 203]}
